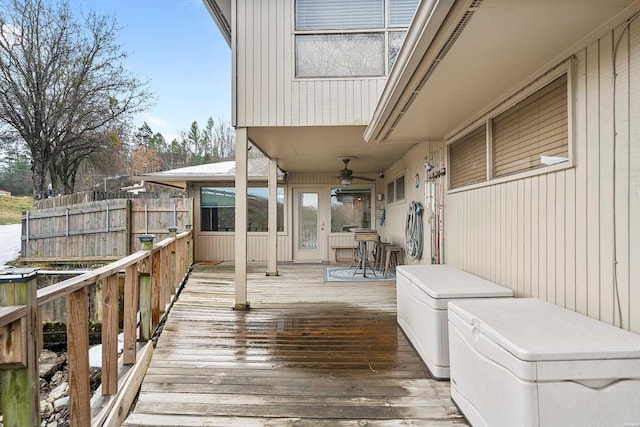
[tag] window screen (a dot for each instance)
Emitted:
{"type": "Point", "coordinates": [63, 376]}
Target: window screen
{"type": "Point", "coordinates": [396, 38]}
{"type": "Point", "coordinates": [340, 55]}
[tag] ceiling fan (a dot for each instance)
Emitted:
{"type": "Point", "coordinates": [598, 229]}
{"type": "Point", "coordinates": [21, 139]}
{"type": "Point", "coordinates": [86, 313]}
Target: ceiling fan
{"type": "Point", "coordinates": [346, 175]}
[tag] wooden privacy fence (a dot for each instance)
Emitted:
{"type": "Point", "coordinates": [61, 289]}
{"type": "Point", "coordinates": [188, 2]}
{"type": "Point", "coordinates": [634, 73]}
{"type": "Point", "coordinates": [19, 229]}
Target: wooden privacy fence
{"type": "Point", "coordinates": [85, 197]}
{"type": "Point", "coordinates": [151, 278]}
{"type": "Point", "coordinates": [98, 230]}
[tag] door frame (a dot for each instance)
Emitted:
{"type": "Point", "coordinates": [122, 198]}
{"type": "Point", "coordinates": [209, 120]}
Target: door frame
{"type": "Point", "coordinates": [322, 224]}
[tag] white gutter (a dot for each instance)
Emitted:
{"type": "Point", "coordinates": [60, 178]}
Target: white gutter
{"type": "Point", "coordinates": [424, 28]}
{"type": "Point", "coordinates": [221, 20]}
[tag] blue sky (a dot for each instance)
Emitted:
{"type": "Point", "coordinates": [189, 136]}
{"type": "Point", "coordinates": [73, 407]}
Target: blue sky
{"type": "Point", "coordinates": [176, 45]}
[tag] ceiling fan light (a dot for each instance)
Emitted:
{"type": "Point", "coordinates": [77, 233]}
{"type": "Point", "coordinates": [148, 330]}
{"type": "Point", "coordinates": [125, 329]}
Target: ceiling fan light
{"type": "Point", "coordinates": [345, 182]}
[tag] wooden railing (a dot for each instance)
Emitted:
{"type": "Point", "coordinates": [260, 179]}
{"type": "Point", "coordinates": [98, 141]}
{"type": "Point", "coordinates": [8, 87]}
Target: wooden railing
{"type": "Point", "coordinates": [151, 277]}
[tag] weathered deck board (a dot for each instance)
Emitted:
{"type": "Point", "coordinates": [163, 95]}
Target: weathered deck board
{"type": "Point", "coordinates": [307, 353]}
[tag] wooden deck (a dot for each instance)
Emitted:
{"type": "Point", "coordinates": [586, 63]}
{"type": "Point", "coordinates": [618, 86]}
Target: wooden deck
{"type": "Point", "coordinates": [307, 353]}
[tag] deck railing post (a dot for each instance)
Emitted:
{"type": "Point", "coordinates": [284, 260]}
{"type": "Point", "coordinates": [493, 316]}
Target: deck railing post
{"type": "Point", "coordinates": [18, 351]}
{"type": "Point", "coordinates": [130, 326]}
{"type": "Point", "coordinates": [189, 245]}
{"type": "Point", "coordinates": [180, 262]}
{"type": "Point", "coordinates": [156, 286]}
{"type": "Point", "coordinates": [110, 306]}
{"type": "Point", "coordinates": [165, 283]}
{"type": "Point", "coordinates": [173, 264]}
{"type": "Point", "coordinates": [78, 356]}
{"type": "Point", "coordinates": [145, 269]}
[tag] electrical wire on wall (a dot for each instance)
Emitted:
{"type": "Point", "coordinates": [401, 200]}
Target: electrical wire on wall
{"type": "Point", "coordinates": [614, 55]}
{"type": "Point", "coordinates": [413, 232]}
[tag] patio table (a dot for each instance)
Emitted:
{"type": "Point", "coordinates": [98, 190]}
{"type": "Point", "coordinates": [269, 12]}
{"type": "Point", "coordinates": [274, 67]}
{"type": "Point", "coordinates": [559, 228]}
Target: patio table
{"type": "Point", "coordinates": [362, 237]}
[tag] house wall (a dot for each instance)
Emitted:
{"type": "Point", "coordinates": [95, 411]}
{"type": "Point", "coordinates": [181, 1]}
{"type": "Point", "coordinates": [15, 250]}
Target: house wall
{"type": "Point", "coordinates": [267, 92]}
{"type": "Point", "coordinates": [328, 181]}
{"type": "Point", "coordinates": [411, 164]}
{"type": "Point", "coordinates": [558, 236]}
{"type": "Point", "coordinates": [219, 246]}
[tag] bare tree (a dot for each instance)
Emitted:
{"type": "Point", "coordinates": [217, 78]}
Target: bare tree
{"type": "Point", "coordinates": [216, 141]}
{"type": "Point", "coordinates": [63, 88]}
{"type": "Point", "coordinates": [223, 139]}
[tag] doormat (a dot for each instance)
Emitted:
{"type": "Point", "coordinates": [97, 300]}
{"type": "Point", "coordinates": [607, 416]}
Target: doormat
{"type": "Point", "coordinates": [345, 274]}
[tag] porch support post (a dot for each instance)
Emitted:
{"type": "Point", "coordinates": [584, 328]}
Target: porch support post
{"type": "Point", "coordinates": [241, 220]}
{"type": "Point", "coordinates": [272, 250]}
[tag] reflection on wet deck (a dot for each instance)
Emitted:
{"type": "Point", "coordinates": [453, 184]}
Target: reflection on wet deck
{"type": "Point", "coordinates": [308, 353]}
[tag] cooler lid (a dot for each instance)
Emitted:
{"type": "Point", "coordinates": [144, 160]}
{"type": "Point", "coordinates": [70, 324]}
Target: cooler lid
{"type": "Point", "coordinates": [518, 326]}
{"type": "Point", "coordinates": [445, 282]}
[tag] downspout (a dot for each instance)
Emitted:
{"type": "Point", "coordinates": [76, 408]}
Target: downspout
{"type": "Point", "coordinates": [234, 63]}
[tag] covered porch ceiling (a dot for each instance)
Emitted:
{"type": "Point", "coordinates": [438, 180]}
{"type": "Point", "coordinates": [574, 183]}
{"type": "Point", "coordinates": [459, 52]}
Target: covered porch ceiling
{"type": "Point", "coordinates": [461, 57]}
{"type": "Point", "coordinates": [317, 149]}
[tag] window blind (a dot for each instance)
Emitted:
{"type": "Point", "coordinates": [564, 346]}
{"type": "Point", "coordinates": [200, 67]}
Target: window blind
{"type": "Point", "coordinates": [532, 131]}
{"type": "Point", "coordinates": [468, 159]}
{"type": "Point", "coordinates": [401, 12]}
{"type": "Point", "coordinates": [339, 14]}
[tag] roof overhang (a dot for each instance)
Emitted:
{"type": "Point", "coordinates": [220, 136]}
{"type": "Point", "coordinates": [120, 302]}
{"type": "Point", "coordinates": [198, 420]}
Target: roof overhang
{"type": "Point", "coordinates": [220, 11]}
{"type": "Point", "coordinates": [459, 57]}
{"type": "Point", "coordinates": [217, 173]}
{"type": "Point", "coordinates": [181, 182]}
{"type": "Point", "coordinates": [316, 149]}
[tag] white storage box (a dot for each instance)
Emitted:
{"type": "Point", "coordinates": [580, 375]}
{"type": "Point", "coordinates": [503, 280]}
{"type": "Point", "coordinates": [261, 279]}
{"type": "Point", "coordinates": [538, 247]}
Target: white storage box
{"type": "Point", "coordinates": [423, 292]}
{"type": "Point", "coordinates": [525, 362]}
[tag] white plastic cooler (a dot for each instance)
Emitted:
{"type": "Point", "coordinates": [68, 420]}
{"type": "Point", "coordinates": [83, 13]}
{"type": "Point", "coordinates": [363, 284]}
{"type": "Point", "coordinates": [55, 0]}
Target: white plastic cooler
{"type": "Point", "coordinates": [525, 362]}
{"type": "Point", "coordinates": [423, 292]}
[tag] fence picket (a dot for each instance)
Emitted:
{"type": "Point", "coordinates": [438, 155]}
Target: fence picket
{"type": "Point", "coordinates": [106, 228]}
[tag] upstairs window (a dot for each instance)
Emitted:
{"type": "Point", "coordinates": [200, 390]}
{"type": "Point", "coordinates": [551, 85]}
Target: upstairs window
{"type": "Point", "coordinates": [349, 38]}
{"type": "Point", "coordinates": [339, 14]}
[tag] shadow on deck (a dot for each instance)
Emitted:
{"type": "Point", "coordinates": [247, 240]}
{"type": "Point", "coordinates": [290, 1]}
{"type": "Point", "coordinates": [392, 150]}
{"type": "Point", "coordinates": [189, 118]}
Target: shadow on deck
{"type": "Point", "coordinates": [307, 353]}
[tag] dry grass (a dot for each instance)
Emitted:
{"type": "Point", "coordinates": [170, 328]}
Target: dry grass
{"type": "Point", "coordinates": [11, 208]}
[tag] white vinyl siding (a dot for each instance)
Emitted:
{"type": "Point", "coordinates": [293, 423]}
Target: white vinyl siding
{"type": "Point", "coordinates": [533, 133]}
{"type": "Point", "coordinates": [221, 247]}
{"type": "Point", "coordinates": [469, 159]}
{"type": "Point", "coordinates": [570, 236]}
